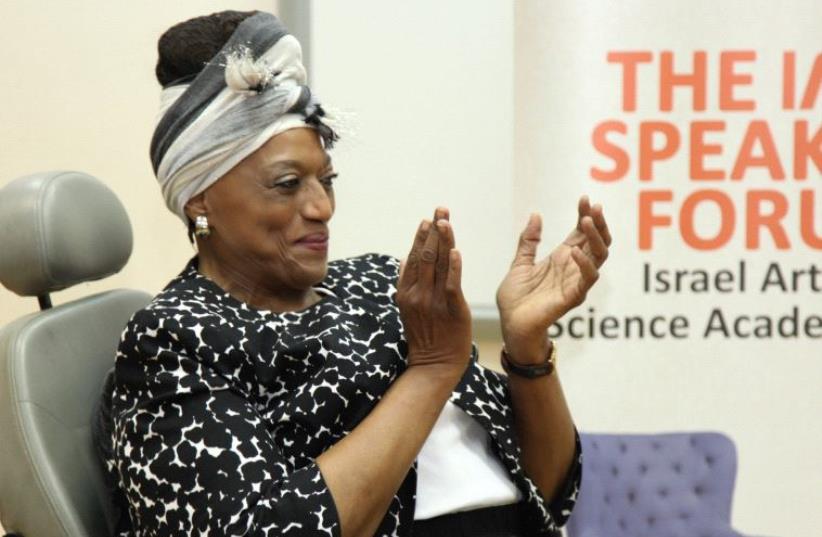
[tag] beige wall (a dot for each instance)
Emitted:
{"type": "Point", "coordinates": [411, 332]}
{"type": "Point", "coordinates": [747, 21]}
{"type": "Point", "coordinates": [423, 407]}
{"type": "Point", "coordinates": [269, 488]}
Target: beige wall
{"type": "Point", "coordinates": [79, 93]}
{"type": "Point", "coordinates": [428, 101]}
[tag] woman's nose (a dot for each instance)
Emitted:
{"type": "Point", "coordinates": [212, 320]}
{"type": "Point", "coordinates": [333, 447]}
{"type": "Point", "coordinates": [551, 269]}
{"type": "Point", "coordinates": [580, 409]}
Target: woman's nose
{"type": "Point", "coordinates": [318, 204]}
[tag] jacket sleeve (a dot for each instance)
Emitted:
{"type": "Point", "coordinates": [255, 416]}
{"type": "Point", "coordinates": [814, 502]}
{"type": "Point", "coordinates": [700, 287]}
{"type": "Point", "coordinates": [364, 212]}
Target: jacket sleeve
{"type": "Point", "coordinates": [544, 518]}
{"type": "Point", "coordinates": [547, 516]}
{"type": "Point", "coordinates": [194, 456]}
{"type": "Point", "coordinates": [563, 502]}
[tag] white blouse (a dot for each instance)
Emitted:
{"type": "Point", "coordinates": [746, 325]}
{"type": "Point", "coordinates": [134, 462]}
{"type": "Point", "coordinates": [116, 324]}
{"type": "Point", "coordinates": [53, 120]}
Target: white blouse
{"type": "Point", "coordinates": [456, 469]}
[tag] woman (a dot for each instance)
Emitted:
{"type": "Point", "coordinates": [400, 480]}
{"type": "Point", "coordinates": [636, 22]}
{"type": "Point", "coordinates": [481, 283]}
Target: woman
{"type": "Point", "coordinates": [266, 391]}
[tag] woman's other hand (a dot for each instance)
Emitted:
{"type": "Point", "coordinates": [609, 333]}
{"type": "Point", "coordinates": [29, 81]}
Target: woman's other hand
{"type": "Point", "coordinates": [533, 295]}
{"type": "Point", "coordinates": [435, 315]}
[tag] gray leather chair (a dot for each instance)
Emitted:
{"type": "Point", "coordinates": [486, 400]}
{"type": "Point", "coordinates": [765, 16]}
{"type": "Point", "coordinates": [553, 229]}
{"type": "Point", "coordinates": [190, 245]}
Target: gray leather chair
{"type": "Point", "coordinates": [58, 229]}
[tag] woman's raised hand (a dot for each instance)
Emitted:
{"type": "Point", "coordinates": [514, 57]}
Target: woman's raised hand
{"type": "Point", "coordinates": [534, 294]}
{"type": "Point", "coordinates": [435, 315]}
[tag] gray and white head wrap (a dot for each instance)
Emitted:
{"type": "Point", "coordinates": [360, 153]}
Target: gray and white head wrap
{"type": "Point", "coordinates": [253, 89]}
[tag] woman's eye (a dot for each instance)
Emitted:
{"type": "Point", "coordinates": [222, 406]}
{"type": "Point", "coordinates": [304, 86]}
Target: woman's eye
{"type": "Point", "coordinates": [287, 183]}
{"type": "Point", "coordinates": [328, 180]}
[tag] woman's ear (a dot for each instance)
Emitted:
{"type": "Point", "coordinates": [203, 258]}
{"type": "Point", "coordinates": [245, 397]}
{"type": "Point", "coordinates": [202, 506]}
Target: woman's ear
{"type": "Point", "coordinates": [196, 206]}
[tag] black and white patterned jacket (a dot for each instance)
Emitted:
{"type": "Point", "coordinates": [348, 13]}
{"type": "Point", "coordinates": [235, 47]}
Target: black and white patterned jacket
{"type": "Point", "coordinates": [217, 411]}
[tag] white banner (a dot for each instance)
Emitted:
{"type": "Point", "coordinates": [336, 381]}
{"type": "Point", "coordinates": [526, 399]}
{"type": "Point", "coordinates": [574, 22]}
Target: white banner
{"type": "Point", "coordinates": [698, 126]}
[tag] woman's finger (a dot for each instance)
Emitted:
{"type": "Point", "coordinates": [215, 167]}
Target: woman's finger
{"type": "Point", "coordinates": [453, 284]}
{"type": "Point", "coordinates": [528, 241]}
{"type": "Point", "coordinates": [446, 233]}
{"type": "Point", "coordinates": [428, 258]}
{"type": "Point", "coordinates": [583, 210]}
{"type": "Point", "coordinates": [602, 226]}
{"type": "Point", "coordinates": [587, 269]}
{"type": "Point", "coordinates": [442, 213]}
{"type": "Point", "coordinates": [410, 272]}
{"type": "Point", "coordinates": [596, 244]}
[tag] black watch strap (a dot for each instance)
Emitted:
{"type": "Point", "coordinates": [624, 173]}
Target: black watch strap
{"type": "Point", "coordinates": [529, 371]}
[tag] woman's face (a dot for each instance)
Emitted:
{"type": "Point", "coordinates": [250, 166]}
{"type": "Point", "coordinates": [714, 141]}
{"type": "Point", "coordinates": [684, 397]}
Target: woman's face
{"type": "Point", "coordinates": [269, 215]}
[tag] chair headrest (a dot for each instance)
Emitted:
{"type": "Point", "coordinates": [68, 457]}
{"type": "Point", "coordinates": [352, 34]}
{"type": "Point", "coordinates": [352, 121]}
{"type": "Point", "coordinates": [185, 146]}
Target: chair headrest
{"type": "Point", "coordinates": [58, 229]}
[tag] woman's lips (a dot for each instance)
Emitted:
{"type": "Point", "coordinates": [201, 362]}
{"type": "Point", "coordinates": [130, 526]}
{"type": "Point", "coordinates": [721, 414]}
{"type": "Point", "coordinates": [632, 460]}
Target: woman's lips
{"type": "Point", "coordinates": [317, 242]}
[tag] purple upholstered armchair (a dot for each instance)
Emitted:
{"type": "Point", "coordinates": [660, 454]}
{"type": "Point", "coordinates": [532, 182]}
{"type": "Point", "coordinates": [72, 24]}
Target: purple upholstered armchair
{"type": "Point", "coordinates": [655, 485]}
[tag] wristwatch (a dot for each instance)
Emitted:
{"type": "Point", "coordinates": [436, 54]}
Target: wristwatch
{"type": "Point", "coordinates": [530, 371]}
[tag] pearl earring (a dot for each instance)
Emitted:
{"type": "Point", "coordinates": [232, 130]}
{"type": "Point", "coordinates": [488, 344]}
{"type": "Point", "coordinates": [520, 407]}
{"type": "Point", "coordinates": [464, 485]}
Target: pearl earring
{"type": "Point", "coordinates": [201, 228]}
